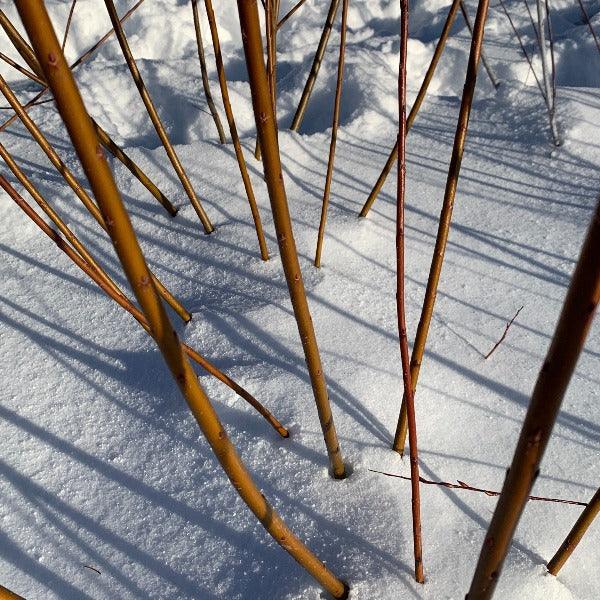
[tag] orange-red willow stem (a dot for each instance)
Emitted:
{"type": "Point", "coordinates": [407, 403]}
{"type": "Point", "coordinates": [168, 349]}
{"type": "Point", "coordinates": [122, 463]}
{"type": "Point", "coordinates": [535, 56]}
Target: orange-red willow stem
{"type": "Point", "coordinates": [400, 294]}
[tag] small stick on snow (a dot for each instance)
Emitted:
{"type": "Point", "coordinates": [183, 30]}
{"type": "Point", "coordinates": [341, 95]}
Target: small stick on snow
{"type": "Point", "coordinates": [503, 335]}
{"type": "Point", "coordinates": [334, 130]}
{"type": "Point", "coordinates": [153, 114]}
{"type": "Point", "coordinates": [435, 59]}
{"type": "Point", "coordinates": [461, 485]}
{"type": "Point", "coordinates": [92, 569]}
{"type": "Point", "coordinates": [555, 374]}
{"type": "Point", "coordinates": [446, 215]}
{"type": "Point", "coordinates": [204, 73]}
{"type": "Point", "coordinates": [576, 534]}
{"type": "Point", "coordinates": [400, 298]}
{"type": "Point", "coordinates": [212, 21]}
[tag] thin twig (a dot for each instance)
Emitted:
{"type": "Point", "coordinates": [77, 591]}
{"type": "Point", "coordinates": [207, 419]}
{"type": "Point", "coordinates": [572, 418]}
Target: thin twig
{"type": "Point", "coordinates": [503, 335]}
{"type": "Point", "coordinates": [461, 485]}
{"type": "Point", "coordinates": [68, 26]}
{"type": "Point", "coordinates": [290, 13]}
{"type": "Point", "coordinates": [88, 566]}
{"type": "Point", "coordinates": [589, 24]}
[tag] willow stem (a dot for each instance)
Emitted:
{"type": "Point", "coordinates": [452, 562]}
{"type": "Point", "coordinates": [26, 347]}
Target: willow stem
{"type": "Point", "coordinates": [576, 534]}
{"type": "Point", "coordinates": [54, 217]}
{"type": "Point", "coordinates": [267, 132]}
{"type": "Point", "coordinates": [6, 594]}
{"type": "Point", "coordinates": [80, 192]}
{"type": "Point", "coordinates": [68, 25]}
{"type": "Point", "coordinates": [85, 56]}
{"type": "Point", "coordinates": [290, 13]}
{"type": "Point", "coordinates": [557, 369]}
{"type": "Point", "coordinates": [153, 114]}
{"type": "Point", "coordinates": [445, 216]}
{"type": "Point", "coordinates": [91, 268]}
{"type": "Point", "coordinates": [400, 298]}
{"type": "Point", "coordinates": [334, 130]}
{"type": "Point", "coordinates": [80, 129]}
{"type": "Point", "coordinates": [316, 65]}
{"type": "Point", "coordinates": [235, 138]}
{"type": "Point", "coordinates": [204, 71]}
{"type": "Point", "coordinates": [435, 59]}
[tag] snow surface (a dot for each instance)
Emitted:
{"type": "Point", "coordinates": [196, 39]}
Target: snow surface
{"type": "Point", "coordinates": [101, 463]}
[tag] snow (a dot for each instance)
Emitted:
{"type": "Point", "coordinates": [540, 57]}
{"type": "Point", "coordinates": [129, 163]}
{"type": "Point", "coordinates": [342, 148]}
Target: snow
{"type": "Point", "coordinates": [101, 463]}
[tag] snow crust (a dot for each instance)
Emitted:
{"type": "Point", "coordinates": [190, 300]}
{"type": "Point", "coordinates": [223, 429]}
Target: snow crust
{"type": "Point", "coordinates": [101, 463]}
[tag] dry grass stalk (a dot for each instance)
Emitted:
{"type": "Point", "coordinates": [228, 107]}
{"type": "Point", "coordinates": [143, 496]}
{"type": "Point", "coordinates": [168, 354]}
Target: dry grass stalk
{"type": "Point", "coordinates": [502, 338]}
{"type": "Point", "coordinates": [80, 129]}
{"type": "Point", "coordinates": [334, 130]}
{"type": "Point", "coordinates": [400, 298]}
{"type": "Point", "coordinates": [89, 266]}
{"type": "Point", "coordinates": [316, 65]}
{"type": "Point", "coordinates": [575, 535]}
{"type": "Point", "coordinates": [153, 114]}
{"type": "Point", "coordinates": [435, 59]}
{"type": "Point", "coordinates": [204, 71]}
{"type": "Point", "coordinates": [267, 132]}
{"type": "Point", "coordinates": [80, 192]}
{"type": "Point", "coordinates": [568, 340]}
{"type": "Point", "coordinates": [445, 216]}
{"type": "Point", "coordinates": [235, 138]}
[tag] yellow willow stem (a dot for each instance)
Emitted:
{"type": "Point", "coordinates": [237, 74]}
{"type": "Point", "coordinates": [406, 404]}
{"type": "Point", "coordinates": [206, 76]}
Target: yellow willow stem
{"type": "Point", "coordinates": [96, 273]}
{"type": "Point", "coordinates": [6, 594]}
{"type": "Point", "coordinates": [212, 21]}
{"type": "Point", "coordinates": [267, 132]}
{"type": "Point", "coordinates": [316, 65]}
{"type": "Point", "coordinates": [72, 110]}
{"type": "Point", "coordinates": [85, 56]}
{"type": "Point", "coordinates": [105, 139]}
{"type": "Point", "coordinates": [204, 73]}
{"type": "Point", "coordinates": [80, 192]}
{"type": "Point", "coordinates": [445, 216]}
{"type": "Point", "coordinates": [334, 130]}
{"type": "Point", "coordinates": [576, 534]}
{"type": "Point", "coordinates": [435, 59]}
{"type": "Point", "coordinates": [54, 217]}
{"type": "Point", "coordinates": [553, 380]}
{"type": "Point", "coordinates": [153, 114]}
